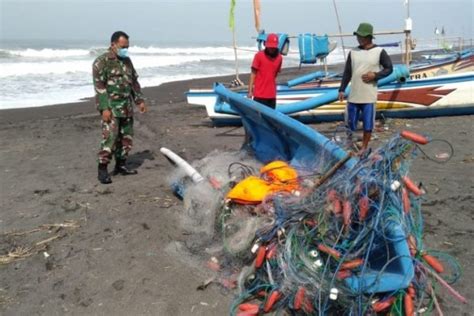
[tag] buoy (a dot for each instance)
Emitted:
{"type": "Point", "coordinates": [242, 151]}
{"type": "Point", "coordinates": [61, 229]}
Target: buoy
{"type": "Point", "coordinates": [417, 138]}
{"type": "Point", "coordinates": [346, 212]}
{"type": "Point", "coordinates": [249, 307]}
{"type": "Point", "coordinates": [343, 274]}
{"type": "Point", "coordinates": [408, 302]}
{"type": "Point", "coordinates": [411, 291]}
{"type": "Point", "coordinates": [333, 293]}
{"type": "Point", "coordinates": [380, 306]}
{"type": "Point", "coordinates": [352, 264]}
{"type": "Point", "coordinates": [336, 206]}
{"type": "Point", "coordinates": [363, 207]}
{"type": "Point", "coordinates": [405, 201]}
{"type": "Point", "coordinates": [413, 188]}
{"type": "Point", "coordinates": [434, 263]}
{"type": "Point", "coordinates": [260, 256]}
{"type": "Point", "coordinates": [299, 298]}
{"type": "Point", "coordinates": [271, 251]}
{"type": "Point", "coordinates": [271, 300]}
{"type": "Point", "coordinates": [330, 251]}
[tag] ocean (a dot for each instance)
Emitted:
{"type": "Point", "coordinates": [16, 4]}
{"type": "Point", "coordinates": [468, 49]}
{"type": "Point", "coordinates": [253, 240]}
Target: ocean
{"type": "Point", "coordinates": [38, 73]}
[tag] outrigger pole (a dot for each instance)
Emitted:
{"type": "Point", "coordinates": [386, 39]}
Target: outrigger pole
{"type": "Point", "coordinates": [234, 43]}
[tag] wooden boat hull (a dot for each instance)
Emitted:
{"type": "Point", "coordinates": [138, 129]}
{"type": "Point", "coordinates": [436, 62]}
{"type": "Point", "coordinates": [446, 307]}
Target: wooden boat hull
{"type": "Point", "coordinates": [440, 96]}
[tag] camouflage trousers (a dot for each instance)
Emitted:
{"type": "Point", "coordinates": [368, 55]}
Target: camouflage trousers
{"type": "Point", "coordinates": [117, 138]}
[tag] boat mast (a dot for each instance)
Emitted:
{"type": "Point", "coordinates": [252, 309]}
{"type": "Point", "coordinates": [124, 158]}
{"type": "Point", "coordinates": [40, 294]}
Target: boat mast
{"type": "Point", "coordinates": [408, 28]}
{"type": "Point", "coordinates": [340, 29]}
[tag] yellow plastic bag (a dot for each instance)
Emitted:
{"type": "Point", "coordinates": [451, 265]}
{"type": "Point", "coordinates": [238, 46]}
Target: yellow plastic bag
{"type": "Point", "coordinates": [278, 175]}
{"type": "Point", "coordinates": [251, 190]}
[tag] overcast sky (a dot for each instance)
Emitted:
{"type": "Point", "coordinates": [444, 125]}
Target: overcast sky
{"type": "Point", "coordinates": [188, 21]}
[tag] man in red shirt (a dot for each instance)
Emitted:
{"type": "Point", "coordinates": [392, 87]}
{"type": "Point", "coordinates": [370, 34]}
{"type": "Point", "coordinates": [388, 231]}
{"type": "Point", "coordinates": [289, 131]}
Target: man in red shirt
{"type": "Point", "coordinates": [265, 67]}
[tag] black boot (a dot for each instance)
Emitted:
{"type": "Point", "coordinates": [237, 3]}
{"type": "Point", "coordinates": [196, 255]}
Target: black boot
{"type": "Point", "coordinates": [104, 176]}
{"type": "Point", "coordinates": [121, 168]}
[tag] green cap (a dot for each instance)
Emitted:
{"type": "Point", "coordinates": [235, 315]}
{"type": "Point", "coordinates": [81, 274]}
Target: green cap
{"type": "Point", "coordinates": [364, 30]}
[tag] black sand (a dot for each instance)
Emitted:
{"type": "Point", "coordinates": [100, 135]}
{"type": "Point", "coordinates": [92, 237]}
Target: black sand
{"type": "Point", "coordinates": [118, 261]}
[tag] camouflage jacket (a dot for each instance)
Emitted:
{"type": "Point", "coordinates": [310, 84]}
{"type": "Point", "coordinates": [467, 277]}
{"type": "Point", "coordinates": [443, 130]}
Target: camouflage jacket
{"type": "Point", "coordinates": [116, 84]}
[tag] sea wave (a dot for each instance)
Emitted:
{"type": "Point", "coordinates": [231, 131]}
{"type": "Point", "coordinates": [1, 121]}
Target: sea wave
{"type": "Point", "coordinates": [48, 53]}
{"type": "Point", "coordinates": [36, 77]}
{"type": "Point", "coordinates": [14, 69]}
{"type": "Point", "coordinates": [44, 53]}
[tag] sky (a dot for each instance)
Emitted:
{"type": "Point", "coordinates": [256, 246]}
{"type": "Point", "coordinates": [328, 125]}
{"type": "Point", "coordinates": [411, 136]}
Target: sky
{"type": "Point", "coordinates": [206, 21]}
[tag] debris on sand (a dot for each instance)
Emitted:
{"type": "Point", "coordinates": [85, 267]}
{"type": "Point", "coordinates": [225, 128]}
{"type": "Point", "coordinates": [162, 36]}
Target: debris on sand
{"type": "Point", "coordinates": [23, 251]}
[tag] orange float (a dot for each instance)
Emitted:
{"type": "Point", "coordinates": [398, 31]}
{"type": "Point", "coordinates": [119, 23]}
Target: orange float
{"type": "Point", "coordinates": [249, 307]}
{"type": "Point", "coordinates": [409, 306]}
{"type": "Point", "coordinates": [352, 264]}
{"type": "Point", "coordinates": [380, 306]}
{"type": "Point", "coordinates": [363, 207]}
{"type": "Point", "coordinates": [346, 212]}
{"type": "Point", "coordinates": [271, 300]}
{"type": "Point", "coordinates": [417, 138]}
{"type": "Point", "coordinates": [405, 201]}
{"type": "Point", "coordinates": [260, 256]}
{"type": "Point", "coordinates": [271, 251]}
{"type": "Point", "coordinates": [412, 187]}
{"type": "Point", "coordinates": [330, 251]}
{"type": "Point", "coordinates": [299, 298]}
{"type": "Point", "coordinates": [434, 263]}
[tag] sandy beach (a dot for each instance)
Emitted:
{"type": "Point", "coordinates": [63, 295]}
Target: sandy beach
{"type": "Point", "coordinates": [114, 252]}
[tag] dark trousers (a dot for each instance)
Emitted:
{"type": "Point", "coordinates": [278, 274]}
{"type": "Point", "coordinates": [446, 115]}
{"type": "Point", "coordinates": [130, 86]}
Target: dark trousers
{"type": "Point", "coordinates": [271, 103]}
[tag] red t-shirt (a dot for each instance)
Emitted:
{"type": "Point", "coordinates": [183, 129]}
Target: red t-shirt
{"type": "Point", "coordinates": [267, 70]}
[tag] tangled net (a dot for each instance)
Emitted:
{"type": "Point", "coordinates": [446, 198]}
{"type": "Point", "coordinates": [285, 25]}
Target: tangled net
{"type": "Point", "coordinates": [348, 242]}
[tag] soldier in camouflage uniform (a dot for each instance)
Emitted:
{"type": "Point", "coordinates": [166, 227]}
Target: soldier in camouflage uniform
{"type": "Point", "coordinates": [117, 89]}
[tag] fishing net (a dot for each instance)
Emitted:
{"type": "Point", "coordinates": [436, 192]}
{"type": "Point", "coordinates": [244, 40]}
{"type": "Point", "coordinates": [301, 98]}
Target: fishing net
{"type": "Point", "coordinates": [202, 202]}
{"type": "Point", "coordinates": [345, 242]}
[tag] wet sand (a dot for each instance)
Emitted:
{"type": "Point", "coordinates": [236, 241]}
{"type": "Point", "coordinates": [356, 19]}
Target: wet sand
{"type": "Point", "coordinates": [118, 257]}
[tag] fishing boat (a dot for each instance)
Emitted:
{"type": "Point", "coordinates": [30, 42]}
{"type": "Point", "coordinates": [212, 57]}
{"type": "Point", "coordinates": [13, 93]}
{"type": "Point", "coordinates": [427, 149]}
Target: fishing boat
{"type": "Point", "coordinates": [442, 63]}
{"type": "Point", "coordinates": [430, 64]}
{"type": "Point", "coordinates": [438, 96]}
{"type": "Point", "coordinates": [441, 83]}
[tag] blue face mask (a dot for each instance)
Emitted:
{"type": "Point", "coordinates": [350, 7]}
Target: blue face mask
{"type": "Point", "coordinates": [122, 52]}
